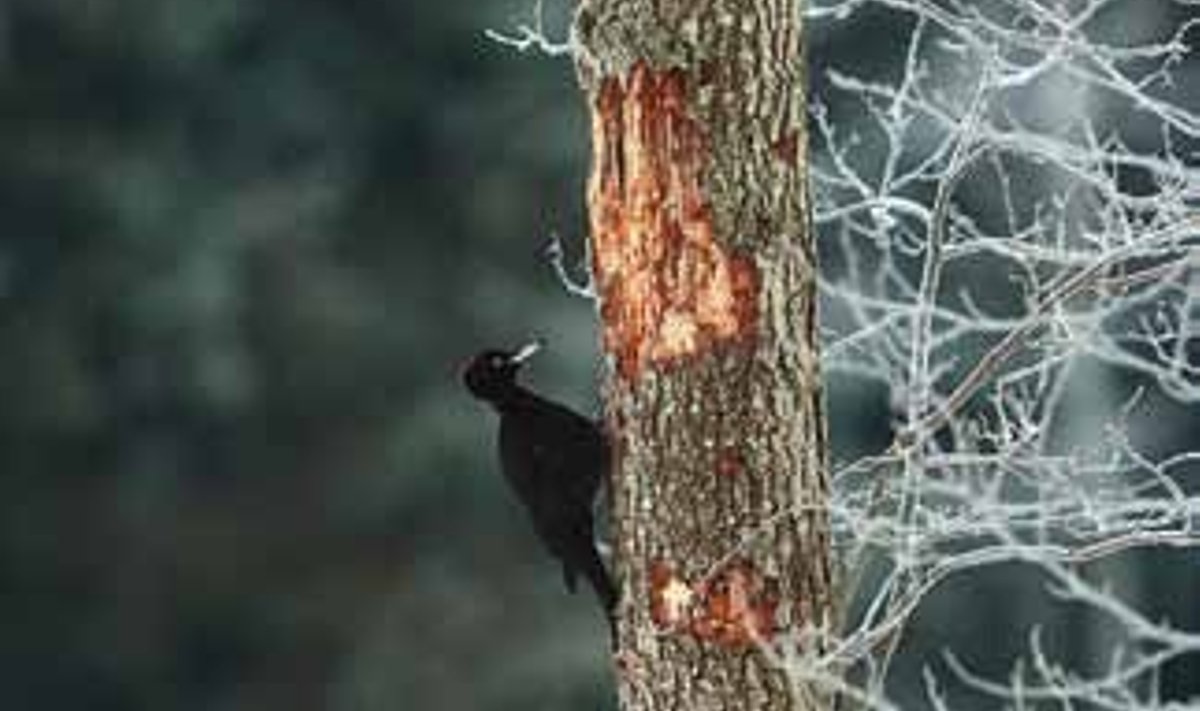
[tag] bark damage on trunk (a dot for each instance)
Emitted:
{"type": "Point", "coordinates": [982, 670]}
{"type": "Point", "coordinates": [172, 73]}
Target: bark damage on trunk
{"type": "Point", "coordinates": [670, 290]}
{"type": "Point", "coordinates": [703, 258]}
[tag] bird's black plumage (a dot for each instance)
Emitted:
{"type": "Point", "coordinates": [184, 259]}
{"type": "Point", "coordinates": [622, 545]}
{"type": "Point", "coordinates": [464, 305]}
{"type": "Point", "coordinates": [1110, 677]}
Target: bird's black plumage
{"type": "Point", "coordinates": [555, 461]}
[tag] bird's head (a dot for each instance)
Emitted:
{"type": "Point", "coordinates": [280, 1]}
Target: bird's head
{"type": "Point", "coordinates": [492, 374]}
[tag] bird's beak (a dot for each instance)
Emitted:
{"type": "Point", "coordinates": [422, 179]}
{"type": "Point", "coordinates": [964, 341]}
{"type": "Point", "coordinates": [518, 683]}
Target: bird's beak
{"type": "Point", "coordinates": [525, 352]}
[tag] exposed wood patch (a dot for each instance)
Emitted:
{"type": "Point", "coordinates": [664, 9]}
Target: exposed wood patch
{"type": "Point", "coordinates": [669, 290]}
{"type": "Point", "coordinates": [733, 608]}
{"type": "Point", "coordinates": [740, 606]}
{"type": "Point", "coordinates": [670, 597]}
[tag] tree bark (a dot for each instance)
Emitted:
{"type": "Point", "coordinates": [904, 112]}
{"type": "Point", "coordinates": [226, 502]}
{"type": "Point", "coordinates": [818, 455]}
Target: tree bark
{"type": "Point", "coordinates": [704, 262]}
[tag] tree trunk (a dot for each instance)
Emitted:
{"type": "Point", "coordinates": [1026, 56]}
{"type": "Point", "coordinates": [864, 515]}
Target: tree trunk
{"type": "Point", "coordinates": [703, 256]}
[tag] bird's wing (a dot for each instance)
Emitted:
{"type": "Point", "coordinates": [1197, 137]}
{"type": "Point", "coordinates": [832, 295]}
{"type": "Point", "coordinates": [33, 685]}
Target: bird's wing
{"type": "Point", "coordinates": [555, 460]}
{"type": "Point", "coordinates": [579, 458]}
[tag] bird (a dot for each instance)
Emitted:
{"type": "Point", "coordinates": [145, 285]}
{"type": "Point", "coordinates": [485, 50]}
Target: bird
{"type": "Point", "coordinates": [554, 459]}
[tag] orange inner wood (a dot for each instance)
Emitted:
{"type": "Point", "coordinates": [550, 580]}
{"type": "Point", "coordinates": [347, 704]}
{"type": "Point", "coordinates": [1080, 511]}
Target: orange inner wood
{"type": "Point", "coordinates": [668, 289]}
{"type": "Point", "coordinates": [734, 608]}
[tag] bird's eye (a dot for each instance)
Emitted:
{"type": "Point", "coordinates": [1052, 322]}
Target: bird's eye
{"type": "Point", "coordinates": [498, 361]}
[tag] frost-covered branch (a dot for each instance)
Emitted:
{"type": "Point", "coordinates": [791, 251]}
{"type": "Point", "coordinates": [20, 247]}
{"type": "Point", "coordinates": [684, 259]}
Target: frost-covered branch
{"type": "Point", "coordinates": [1014, 207]}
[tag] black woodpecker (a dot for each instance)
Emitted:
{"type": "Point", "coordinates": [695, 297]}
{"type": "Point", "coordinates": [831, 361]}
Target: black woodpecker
{"type": "Point", "coordinates": [555, 460]}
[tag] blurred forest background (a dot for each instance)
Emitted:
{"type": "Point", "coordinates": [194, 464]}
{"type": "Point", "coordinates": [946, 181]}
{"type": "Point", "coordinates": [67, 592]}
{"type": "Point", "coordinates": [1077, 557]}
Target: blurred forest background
{"type": "Point", "coordinates": [246, 246]}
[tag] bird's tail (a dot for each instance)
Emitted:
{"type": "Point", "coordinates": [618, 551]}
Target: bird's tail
{"type": "Point", "coordinates": [593, 568]}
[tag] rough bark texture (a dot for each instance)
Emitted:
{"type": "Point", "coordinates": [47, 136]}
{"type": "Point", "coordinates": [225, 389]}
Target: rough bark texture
{"type": "Point", "coordinates": [704, 260]}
